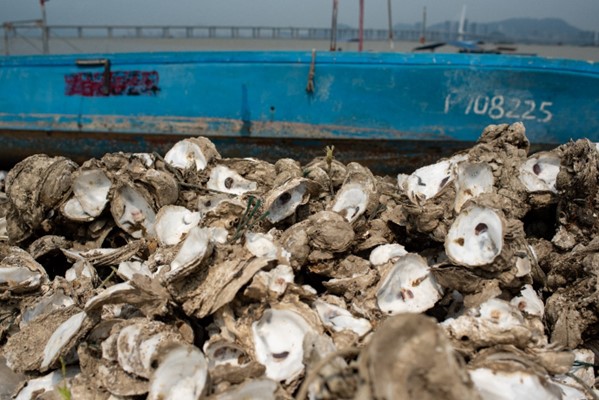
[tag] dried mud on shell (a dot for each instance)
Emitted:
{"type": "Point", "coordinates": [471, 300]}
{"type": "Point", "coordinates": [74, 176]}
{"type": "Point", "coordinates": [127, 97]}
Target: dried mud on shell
{"type": "Point", "coordinates": [191, 276]}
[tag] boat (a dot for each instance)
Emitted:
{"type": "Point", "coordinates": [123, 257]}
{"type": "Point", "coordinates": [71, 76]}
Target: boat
{"type": "Point", "coordinates": [390, 111]}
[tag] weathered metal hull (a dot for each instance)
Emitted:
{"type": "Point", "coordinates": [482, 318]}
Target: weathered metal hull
{"type": "Point", "coordinates": [391, 111]}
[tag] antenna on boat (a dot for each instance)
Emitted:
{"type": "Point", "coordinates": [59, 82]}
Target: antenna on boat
{"type": "Point", "coordinates": [462, 23]}
{"type": "Point", "coordinates": [361, 29]}
{"type": "Point", "coordinates": [391, 44]}
{"type": "Point", "coordinates": [333, 46]}
{"type": "Point", "coordinates": [423, 34]}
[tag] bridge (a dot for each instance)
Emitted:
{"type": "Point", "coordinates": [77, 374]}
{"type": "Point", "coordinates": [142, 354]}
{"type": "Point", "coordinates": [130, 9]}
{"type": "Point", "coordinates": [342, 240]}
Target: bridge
{"type": "Point", "coordinates": [34, 29]}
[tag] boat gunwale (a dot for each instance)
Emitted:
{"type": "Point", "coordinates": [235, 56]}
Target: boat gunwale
{"type": "Point", "coordinates": [481, 61]}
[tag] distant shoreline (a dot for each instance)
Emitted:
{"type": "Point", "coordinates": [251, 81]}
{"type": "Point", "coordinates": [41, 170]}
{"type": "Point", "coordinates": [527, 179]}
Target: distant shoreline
{"type": "Point", "coordinates": [30, 46]}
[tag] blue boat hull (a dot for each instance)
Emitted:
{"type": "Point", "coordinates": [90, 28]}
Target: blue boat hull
{"type": "Point", "coordinates": [375, 106]}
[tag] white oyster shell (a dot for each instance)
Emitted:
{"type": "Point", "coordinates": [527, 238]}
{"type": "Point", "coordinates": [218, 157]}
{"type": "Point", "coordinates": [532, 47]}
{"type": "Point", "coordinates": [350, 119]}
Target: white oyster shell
{"type": "Point", "coordinates": [408, 287]}
{"type": "Point", "coordinates": [472, 179]}
{"type": "Point", "coordinates": [20, 273]}
{"type": "Point", "coordinates": [223, 352]}
{"type": "Point", "coordinates": [139, 343]}
{"type": "Point", "coordinates": [118, 290]}
{"type": "Point", "coordinates": [475, 237]}
{"type": "Point", "coordinates": [173, 223]}
{"type": "Point", "coordinates": [494, 322]}
{"type": "Point", "coordinates": [127, 269]}
{"type": "Point", "coordinates": [282, 201]}
{"type": "Point", "coordinates": [278, 343]}
{"type": "Point", "coordinates": [339, 319]}
{"type": "Point", "coordinates": [356, 195]}
{"type": "Point", "coordinates": [91, 188]}
{"type": "Point", "coordinates": [262, 245]}
{"type": "Point", "coordinates": [3, 229]}
{"type": "Point", "coordinates": [48, 303]}
{"type": "Point", "coordinates": [81, 269]}
{"type": "Point", "coordinates": [73, 210]}
{"type": "Point", "coordinates": [224, 179]}
{"type": "Point", "coordinates": [351, 201]}
{"type": "Point", "coordinates": [132, 212]}
{"type": "Point", "coordinates": [182, 373]}
{"type": "Point", "coordinates": [209, 202]}
{"type": "Point", "coordinates": [61, 337]}
{"type": "Point", "coordinates": [386, 252]}
{"type": "Point", "coordinates": [191, 153]}
{"type": "Point", "coordinates": [274, 281]}
{"type": "Point", "coordinates": [529, 302]}
{"type": "Point", "coordinates": [47, 383]}
{"type": "Point", "coordinates": [260, 389]}
{"type": "Point", "coordinates": [508, 385]}
{"type": "Point", "coordinates": [539, 172]}
{"type": "Point", "coordinates": [582, 370]}
{"type": "Point", "coordinates": [195, 248]}
{"type": "Point", "coordinates": [426, 182]}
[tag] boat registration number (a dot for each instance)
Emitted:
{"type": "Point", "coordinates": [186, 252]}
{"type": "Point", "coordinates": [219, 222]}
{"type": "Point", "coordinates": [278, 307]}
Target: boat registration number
{"type": "Point", "coordinates": [500, 107]}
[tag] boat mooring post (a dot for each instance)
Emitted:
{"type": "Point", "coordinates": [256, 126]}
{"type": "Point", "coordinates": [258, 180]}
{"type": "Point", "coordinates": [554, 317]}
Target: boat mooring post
{"type": "Point", "coordinates": [7, 26]}
{"type": "Point", "coordinates": [391, 44]}
{"type": "Point", "coordinates": [333, 46]}
{"type": "Point", "coordinates": [423, 33]}
{"type": "Point", "coordinates": [361, 31]}
{"type": "Point", "coordinates": [45, 46]}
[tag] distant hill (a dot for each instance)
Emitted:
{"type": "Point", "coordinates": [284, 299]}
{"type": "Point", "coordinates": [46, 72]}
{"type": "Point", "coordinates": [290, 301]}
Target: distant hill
{"type": "Point", "coordinates": [522, 30]}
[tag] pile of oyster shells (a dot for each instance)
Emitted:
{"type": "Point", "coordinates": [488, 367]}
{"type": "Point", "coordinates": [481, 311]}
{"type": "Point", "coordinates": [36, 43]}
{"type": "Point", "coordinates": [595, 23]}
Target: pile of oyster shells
{"type": "Point", "coordinates": [189, 276]}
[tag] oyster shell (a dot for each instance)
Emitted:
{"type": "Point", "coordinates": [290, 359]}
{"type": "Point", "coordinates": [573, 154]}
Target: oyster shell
{"type": "Point", "coordinates": [63, 338]}
{"type": "Point", "coordinates": [475, 237]}
{"type": "Point", "coordinates": [173, 223]}
{"type": "Point", "coordinates": [386, 252]}
{"type": "Point", "coordinates": [282, 201]}
{"type": "Point", "coordinates": [271, 284]}
{"type": "Point", "coordinates": [504, 372]}
{"type": "Point", "coordinates": [539, 172]}
{"type": "Point", "coordinates": [139, 343]}
{"type": "Point", "coordinates": [278, 343]}
{"type": "Point", "coordinates": [182, 373]}
{"type": "Point", "coordinates": [226, 180]}
{"type": "Point", "coordinates": [494, 322]}
{"type": "Point", "coordinates": [422, 364]}
{"type": "Point", "coordinates": [219, 284]}
{"type": "Point", "coordinates": [3, 229]}
{"type": "Point", "coordinates": [472, 179]}
{"type": "Point", "coordinates": [34, 186]}
{"type": "Point", "coordinates": [263, 245]}
{"type": "Point", "coordinates": [90, 190]}
{"type": "Point", "coordinates": [259, 389]}
{"type": "Point", "coordinates": [20, 273]}
{"type": "Point", "coordinates": [38, 386]}
{"type": "Point", "coordinates": [339, 319]}
{"type": "Point", "coordinates": [163, 186]}
{"type": "Point", "coordinates": [513, 384]}
{"type": "Point", "coordinates": [52, 301]}
{"type": "Point", "coordinates": [42, 341]}
{"type": "Point", "coordinates": [192, 153]}
{"type": "Point", "coordinates": [357, 194]}
{"type": "Point", "coordinates": [426, 182]}
{"type": "Point", "coordinates": [529, 302]}
{"type": "Point", "coordinates": [302, 308]}
{"type": "Point", "coordinates": [329, 231]}
{"type": "Point", "coordinates": [223, 352]}
{"type": "Point", "coordinates": [194, 249]}
{"type": "Point", "coordinates": [409, 287]}
{"type": "Point", "coordinates": [132, 211]}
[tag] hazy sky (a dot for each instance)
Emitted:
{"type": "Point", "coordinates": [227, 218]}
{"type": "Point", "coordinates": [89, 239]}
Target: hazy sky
{"type": "Point", "coordinates": [583, 14]}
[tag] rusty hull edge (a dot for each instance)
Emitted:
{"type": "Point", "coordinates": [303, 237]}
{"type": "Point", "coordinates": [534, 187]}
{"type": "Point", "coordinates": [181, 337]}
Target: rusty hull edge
{"type": "Point", "coordinates": [383, 157]}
